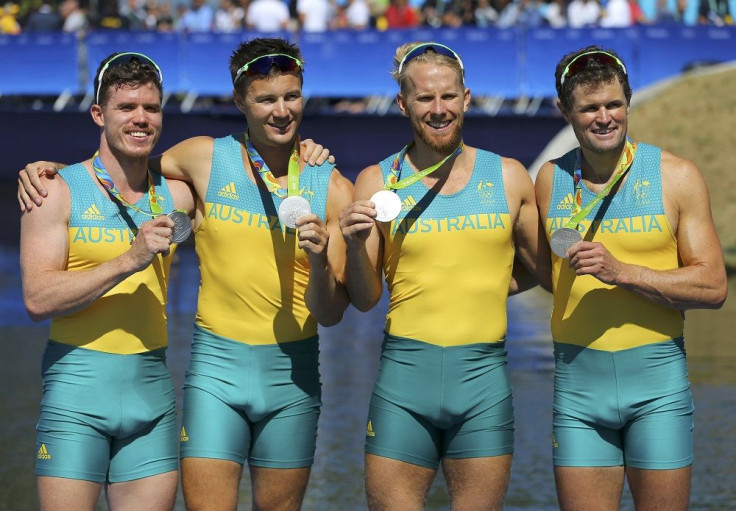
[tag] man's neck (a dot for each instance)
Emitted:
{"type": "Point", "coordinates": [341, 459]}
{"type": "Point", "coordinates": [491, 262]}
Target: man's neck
{"type": "Point", "coordinates": [598, 168]}
{"type": "Point", "coordinates": [276, 157]}
{"type": "Point", "coordinates": [130, 175]}
{"type": "Point", "coordinates": [421, 157]}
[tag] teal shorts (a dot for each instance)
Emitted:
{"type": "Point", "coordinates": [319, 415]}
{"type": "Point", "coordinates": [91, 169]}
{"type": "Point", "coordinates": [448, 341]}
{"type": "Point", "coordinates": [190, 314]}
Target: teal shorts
{"type": "Point", "coordinates": [432, 402]}
{"type": "Point", "coordinates": [632, 407]}
{"type": "Point", "coordinates": [254, 403]}
{"type": "Point", "coordinates": [105, 417]}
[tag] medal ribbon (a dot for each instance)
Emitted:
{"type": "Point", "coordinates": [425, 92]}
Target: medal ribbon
{"type": "Point", "coordinates": [269, 180]}
{"type": "Point", "coordinates": [393, 182]}
{"type": "Point", "coordinates": [104, 178]}
{"type": "Point", "coordinates": [624, 164]}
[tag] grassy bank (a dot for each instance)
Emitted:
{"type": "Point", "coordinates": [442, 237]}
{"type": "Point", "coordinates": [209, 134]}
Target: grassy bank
{"type": "Point", "coordinates": [695, 118]}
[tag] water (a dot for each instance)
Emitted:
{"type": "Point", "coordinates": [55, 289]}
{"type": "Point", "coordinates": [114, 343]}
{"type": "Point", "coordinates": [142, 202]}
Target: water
{"type": "Point", "coordinates": [349, 362]}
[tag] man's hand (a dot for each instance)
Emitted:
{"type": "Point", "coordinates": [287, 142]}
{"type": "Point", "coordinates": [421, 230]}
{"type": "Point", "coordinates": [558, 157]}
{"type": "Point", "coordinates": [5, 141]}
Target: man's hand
{"type": "Point", "coordinates": [315, 154]}
{"type": "Point", "coordinates": [592, 258]}
{"type": "Point", "coordinates": [30, 189]}
{"type": "Point", "coordinates": [356, 222]}
{"type": "Point", "coordinates": [313, 235]}
{"type": "Point", "coordinates": [154, 237]}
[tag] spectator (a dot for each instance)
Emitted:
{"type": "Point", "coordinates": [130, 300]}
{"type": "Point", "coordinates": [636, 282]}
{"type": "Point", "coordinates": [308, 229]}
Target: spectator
{"type": "Point", "coordinates": [583, 13]}
{"type": "Point", "coordinates": [485, 14]}
{"type": "Point", "coordinates": [197, 18]}
{"type": "Point", "coordinates": [714, 12]}
{"type": "Point", "coordinates": [508, 13]}
{"type": "Point", "coordinates": [663, 14]}
{"type": "Point", "coordinates": [165, 18]}
{"type": "Point", "coordinates": [555, 14]}
{"type": "Point", "coordinates": [8, 21]}
{"type": "Point", "coordinates": [530, 13]}
{"type": "Point", "coordinates": [75, 20]}
{"type": "Point", "coordinates": [617, 14]}
{"type": "Point", "coordinates": [637, 13]}
{"type": "Point", "coordinates": [228, 18]}
{"type": "Point", "coordinates": [458, 13]}
{"type": "Point", "coordinates": [314, 15]}
{"type": "Point", "coordinates": [358, 14]}
{"type": "Point", "coordinates": [135, 14]}
{"type": "Point", "coordinates": [431, 12]}
{"type": "Point", "coordinates": [45, 19]}
{"type": "Point", "coordinates": [267, 16]}
{"type": "Point", "coordinates": [399, 14]}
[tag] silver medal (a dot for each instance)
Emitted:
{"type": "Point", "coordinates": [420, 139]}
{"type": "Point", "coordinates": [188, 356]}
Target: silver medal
{"type": "Point", "coordinates": [388, 205]}
{"type": "Point", "coordinates": [562, 239]}
{"type": "Point", "coordinates": [182, 226]}
{"type": "Point", "coordinates": [291, 208]}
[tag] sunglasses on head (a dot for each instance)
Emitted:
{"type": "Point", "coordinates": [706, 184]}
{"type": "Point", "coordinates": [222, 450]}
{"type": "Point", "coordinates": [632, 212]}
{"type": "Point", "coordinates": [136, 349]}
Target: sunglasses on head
{"type": "Point", "coordinates": [438, 48]}
{"type": "Point", "coordinates": [580, 63]}
{"type": "Point", "coordinates": [122, 59]}
{"type": "Point", "coordinates": [262, 65]}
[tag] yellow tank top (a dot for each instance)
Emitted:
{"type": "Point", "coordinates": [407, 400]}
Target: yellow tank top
{"type": "Point", "coordinates": [633, 226]}
{"type": "Point", "coordinates": [448, 259]}
{"type": "Point", "coordinates": [131, 317]}
{"type": "Point", "coordinates": [253, 274]}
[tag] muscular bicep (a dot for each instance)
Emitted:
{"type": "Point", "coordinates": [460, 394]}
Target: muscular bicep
{"type": "Point", "coordinates": [44, 238]}
{"type": "Point", "coordinates": [689, 212]}
{"type": "Point", "coordinates": [188, 161]}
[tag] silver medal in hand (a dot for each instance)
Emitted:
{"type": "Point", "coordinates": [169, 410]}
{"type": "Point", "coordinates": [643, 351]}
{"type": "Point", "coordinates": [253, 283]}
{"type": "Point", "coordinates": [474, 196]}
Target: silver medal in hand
{"type": "Point", "coordinates": [562, 239]}
{"type": "Point", "coordinates": [182, 226]}
{"type": "Point", "coordinates": [291, 208]}
{"type": "Point", "coordinates": [388, 205]}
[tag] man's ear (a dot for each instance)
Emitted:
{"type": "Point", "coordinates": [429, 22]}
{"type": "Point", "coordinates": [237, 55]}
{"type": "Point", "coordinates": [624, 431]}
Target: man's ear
{"type": "Point", "coordinates": [402, 104]}
{"type": "Point", "coordinates": [239, 101]}
{"type": "Point", "coordinates": [97, 116]}
{"type": "Point", "coordinates": [559, 106]}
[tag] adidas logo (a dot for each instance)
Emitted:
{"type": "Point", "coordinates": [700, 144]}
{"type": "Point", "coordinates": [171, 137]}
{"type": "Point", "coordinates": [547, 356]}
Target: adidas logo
{"type": "Point", "coordinates": [229, 192]}
{"type": "Point", "coordinates": [92, 213]}
{"type": "Point", "coordinates": [43, 453]}
{"type": "Point", "coordinates": [369, 429]}
{"type": "Point", "coordinates": [567, 202]}
{"type": "Point", "coordinates": [409, 203]}
{"type": "Point", "coordinates": [184, 437]}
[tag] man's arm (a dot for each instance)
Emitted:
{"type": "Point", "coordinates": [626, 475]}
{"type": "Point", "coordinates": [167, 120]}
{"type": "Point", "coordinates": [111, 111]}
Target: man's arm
{"type": "Point", "coordinates": [188, 161]}
{"type": "Point", "coordinates": [529, 242]}
{"type": "Point", "coordinates": [701, 281]}
{"type": "Point", "coordinates": [49, 289]}
{"type": "Point", "coordinates": [326, 295]}
{"type": "Point", "coordinates": [363, 265]}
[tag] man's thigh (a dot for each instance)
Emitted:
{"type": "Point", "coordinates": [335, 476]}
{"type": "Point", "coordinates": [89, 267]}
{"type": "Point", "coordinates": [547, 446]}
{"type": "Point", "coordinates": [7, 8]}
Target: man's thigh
{"type": "Point", "coordinates": [392, 484]}
{"type": "Point", "coordinates": [660, 490]}
{"type": "Point", "coordinates": [477, 483]}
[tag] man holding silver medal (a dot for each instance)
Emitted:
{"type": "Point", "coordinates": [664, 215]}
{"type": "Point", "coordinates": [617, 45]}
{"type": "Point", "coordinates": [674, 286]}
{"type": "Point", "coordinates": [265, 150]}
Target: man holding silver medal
{"type": "Point", "coordinates": [271, 259]}
{"type": "Point", "coordinates": [633, 246]}
{"type": "Point", "coordinates": [95, 259]}
{"type": "Point", "coordinates": [443, 221]}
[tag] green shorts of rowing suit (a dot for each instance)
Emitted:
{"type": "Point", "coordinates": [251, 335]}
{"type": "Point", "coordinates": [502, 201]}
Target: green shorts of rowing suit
{"type": "Point", "coordinates": [254, 403]}
{"type": "Point", "coordinates": [632, 407]}
{"type": "Point", "coordinates": [105, 417]}
{"type": "Point", "coordinates": [431, 402]}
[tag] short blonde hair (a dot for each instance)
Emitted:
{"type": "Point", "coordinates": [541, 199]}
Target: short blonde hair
{"type": "Point", "coordinates": [398, 72]}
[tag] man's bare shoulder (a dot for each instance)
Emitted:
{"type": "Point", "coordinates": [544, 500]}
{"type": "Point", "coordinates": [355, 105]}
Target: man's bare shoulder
{"type": "Point", "coordinates": [199, 143]}
{"type": "Point", "coordinates": [339, 183]}
{"type": "Point", "coordinates": [680, 174]}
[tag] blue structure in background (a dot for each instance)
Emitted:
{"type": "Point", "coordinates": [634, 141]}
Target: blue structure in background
{"type": "Point", "coordinates": [502, 63]}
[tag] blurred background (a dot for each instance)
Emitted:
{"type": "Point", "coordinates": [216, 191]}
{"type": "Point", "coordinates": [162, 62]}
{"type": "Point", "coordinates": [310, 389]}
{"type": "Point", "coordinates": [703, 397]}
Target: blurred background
{"type": "Point", "coordinates": [679, 57]}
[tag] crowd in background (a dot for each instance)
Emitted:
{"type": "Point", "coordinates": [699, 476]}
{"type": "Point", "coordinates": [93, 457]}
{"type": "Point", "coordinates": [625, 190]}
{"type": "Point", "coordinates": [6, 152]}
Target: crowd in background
{"type": "Point", "coordinates": [322, 15]}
